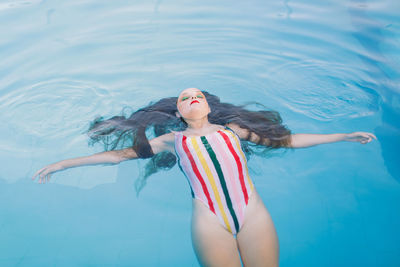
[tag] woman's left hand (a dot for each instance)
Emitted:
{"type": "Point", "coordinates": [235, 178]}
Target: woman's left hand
{"type": "Point", "coordinates": [362, 137]}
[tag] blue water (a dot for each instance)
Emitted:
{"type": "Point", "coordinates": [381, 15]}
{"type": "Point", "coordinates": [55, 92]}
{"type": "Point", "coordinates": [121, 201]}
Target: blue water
{"type": "Point", "coordinates": [326, 66]}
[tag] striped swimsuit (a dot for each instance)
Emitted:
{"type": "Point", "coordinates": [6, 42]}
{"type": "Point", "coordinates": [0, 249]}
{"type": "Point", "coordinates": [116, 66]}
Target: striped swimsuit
{"type": "Point", "coordinates": [216, 169]}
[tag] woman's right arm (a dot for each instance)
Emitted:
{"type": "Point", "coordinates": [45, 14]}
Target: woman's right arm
{"type": "Point", "coordinates": [158, 144]}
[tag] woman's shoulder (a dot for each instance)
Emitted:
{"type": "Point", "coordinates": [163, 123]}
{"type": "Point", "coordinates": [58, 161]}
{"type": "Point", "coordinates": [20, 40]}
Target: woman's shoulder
{"type": "Point", "coordinates": [163, 142]}
{"type": "Point", "coordinates": [163, 139]}
{"type": "Point", "coordinates": [241, 132]}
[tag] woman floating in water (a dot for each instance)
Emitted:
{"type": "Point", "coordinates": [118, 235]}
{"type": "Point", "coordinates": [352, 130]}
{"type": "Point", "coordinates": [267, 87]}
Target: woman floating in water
{"type": "Point", "coordinates": [209, 139]}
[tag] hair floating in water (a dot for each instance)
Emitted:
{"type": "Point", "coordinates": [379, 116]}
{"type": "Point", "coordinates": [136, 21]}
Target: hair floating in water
{"type": "Point", "coordinates": [160, 118]}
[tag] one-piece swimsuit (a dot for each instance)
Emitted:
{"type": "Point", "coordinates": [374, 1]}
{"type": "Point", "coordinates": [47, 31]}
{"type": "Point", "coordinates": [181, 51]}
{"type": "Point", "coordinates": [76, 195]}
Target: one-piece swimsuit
{"type": "Point", "coordinates": [216, 169]}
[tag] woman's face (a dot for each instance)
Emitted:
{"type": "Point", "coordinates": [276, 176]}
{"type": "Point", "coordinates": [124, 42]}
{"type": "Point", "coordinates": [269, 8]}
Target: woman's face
{"type": "Point", "coordinates": [192, 104]}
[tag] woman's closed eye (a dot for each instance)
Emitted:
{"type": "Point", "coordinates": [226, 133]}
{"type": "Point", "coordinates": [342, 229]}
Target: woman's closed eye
{"type": "Point", "coordinates": [186, 97]}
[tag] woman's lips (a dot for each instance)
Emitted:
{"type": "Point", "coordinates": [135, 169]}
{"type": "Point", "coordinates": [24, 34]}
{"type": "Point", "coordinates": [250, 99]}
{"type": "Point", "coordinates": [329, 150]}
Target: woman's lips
{"type": "Point", "coordinates": [194, 101]}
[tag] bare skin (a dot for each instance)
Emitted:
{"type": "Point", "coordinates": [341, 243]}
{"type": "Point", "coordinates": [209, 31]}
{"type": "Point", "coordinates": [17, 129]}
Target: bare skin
{"type": "Point", "coordinates": [257, 240]}
{"type": "Point", "coordinates": [212, 243]}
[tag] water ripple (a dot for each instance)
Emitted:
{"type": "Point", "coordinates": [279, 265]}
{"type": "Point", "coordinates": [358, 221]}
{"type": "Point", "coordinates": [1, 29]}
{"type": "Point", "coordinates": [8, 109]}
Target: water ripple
{"type": "Point", "coordinates": [290, 55]}
{"type": "Point", "coordinates": [322, 91]}
{"type": "Point", "coordinates": [4, 5]}
{"type": "Point", "coordinates": [54, 109]}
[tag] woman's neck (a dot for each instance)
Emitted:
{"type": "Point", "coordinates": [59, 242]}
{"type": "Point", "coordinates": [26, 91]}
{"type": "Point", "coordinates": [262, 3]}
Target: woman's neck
{"type": "Point", "coordinates": [198, 124]}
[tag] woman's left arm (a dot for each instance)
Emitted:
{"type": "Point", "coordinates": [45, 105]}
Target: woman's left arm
{"type": "Point", "coordinates": [307, 140]}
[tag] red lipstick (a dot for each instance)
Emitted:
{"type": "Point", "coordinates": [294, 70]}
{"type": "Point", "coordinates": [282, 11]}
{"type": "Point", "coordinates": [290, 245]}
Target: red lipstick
{"type": "Point", "coordinates": [194, 101]}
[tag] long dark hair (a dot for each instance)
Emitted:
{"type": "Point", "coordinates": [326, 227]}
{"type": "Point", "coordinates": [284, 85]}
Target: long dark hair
{"type": "Point", "coordinates": [160, 118]}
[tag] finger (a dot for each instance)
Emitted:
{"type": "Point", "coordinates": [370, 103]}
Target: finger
{"type": "Point", "coordinates": [371, 135]}
{"type": "Point", "coordinates": [37, 173]}
{"type": "Point", "coordinates": [42, 177]}
{"type": "Point", "coordinates": [48, 177]}
{"type": "Point", "coordinates": [368, 135]}
{"type": "Point", "coordinates": [368, 138]}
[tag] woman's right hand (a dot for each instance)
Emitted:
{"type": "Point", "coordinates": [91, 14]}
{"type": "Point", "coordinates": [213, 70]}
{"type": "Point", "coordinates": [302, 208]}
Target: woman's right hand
{"type": "Point", "coordinates": [46, 172]}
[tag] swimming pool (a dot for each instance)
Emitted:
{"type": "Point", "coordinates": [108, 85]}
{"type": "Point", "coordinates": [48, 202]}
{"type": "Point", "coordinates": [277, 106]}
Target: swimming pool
{"type": "Point", "coordinates": [330, 66]}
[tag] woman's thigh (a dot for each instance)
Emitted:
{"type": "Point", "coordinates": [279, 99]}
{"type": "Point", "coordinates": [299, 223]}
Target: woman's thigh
{"type": "Point", "coordinates": [257, 239]}
{"type": "Point", "coordinates": [212, 243]}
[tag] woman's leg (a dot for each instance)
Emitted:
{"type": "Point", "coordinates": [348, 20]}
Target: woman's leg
{"type": "Point", "coordinates": [257, 239]}
{"type": "Point", "coordinates": [212, 243]}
